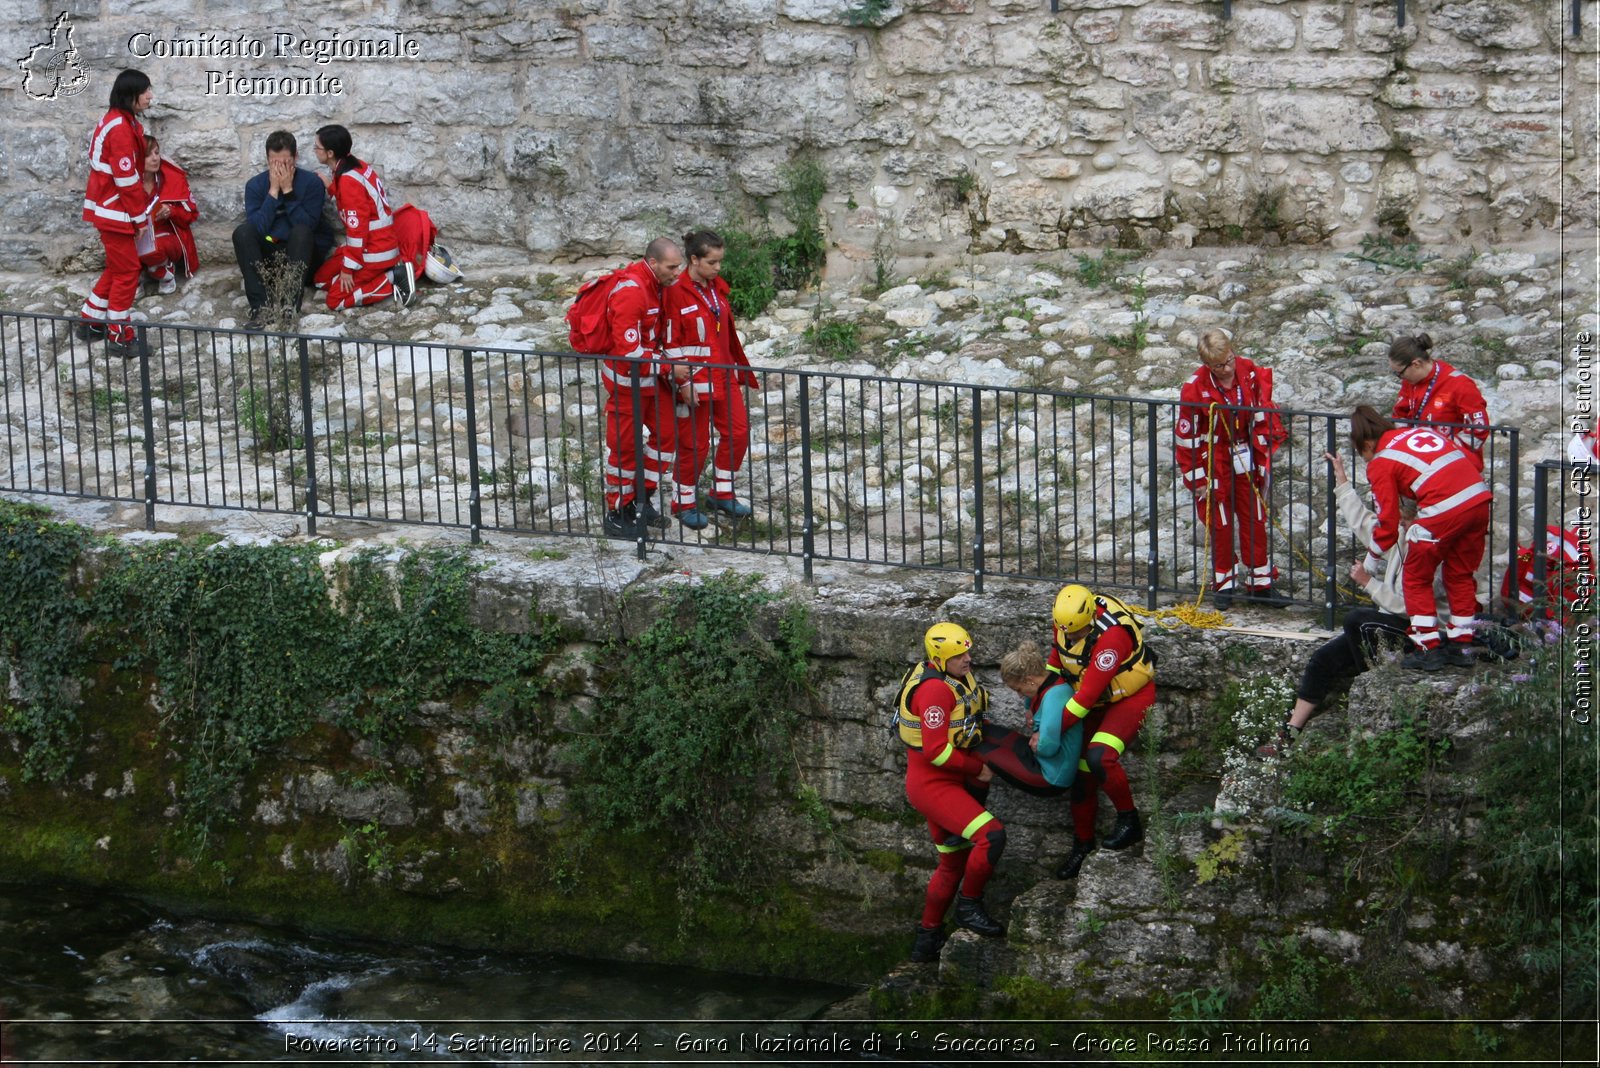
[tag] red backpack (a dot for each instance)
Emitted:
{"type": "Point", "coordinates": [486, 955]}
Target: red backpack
{"type": "Point", "coordinates": [588, 326]}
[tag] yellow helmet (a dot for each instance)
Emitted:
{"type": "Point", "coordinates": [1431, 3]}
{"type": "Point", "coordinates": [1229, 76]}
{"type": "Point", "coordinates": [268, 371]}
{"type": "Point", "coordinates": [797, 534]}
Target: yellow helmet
{"type": "Point", "coordinates": [1074, 608]}
{"type": "Point", "coordinates": [944, 642]}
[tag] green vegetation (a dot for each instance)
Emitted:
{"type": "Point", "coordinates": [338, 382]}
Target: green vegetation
{"type": "Point", "coordinates": [1138, 335]}
{"type": "Point", "coordinates": [758, 262]}
{"type": "Point", "coordinates": [1096, 271]}
{"type": "Point", "coordinates": [1358, 788]}
{"type": "Point", "coordinates": [700, 717]}
{"type": "Point", "coordinates": [867, 12]}
{"type": "Point", "coordinates": [836, 339]}
{"type": "Point", "coordinates": [1381, 250]}
{"type": "Point", "coordinates": [246, 648]}
{"type": "Point", "coordinates": [1294, 980]}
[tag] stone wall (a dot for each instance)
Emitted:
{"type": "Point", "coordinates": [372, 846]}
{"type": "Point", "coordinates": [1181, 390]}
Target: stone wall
{"type": "Point", "coordinates": [573, 128]}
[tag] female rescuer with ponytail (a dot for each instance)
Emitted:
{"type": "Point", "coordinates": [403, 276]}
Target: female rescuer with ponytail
{"type": "Point", "coordinates": [940, 719]}
{"type": "Point", "coordinates": [1099, 647]}
{"type": "Point", "coordinates": [697, 318]}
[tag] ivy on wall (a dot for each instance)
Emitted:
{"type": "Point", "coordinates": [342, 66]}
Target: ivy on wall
{"type": "Point", "coordinates": [700, 716]}
{"type": "Point", "coordinates": [246, 647]}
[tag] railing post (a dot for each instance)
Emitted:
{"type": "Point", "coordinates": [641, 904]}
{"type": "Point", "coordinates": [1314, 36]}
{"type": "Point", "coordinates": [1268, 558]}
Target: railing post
{"type": "Point", "coordinates": [1152, 565]}
{"type": "Point", "coordinates": [1400, 13]}
{"type": "Point", "coordinates": [1541, 517]}
{"type": "Point", "coordinates": [1330, 584]}
{"type": "Point", "coordinates": [1511, 489]}
{"type": "Point", "coordinates": [808, 534]}
{"type": "Point", "coordinates": [143, 346]}
{"type": "Point", "coordinates": [636, 389]}
{"type": "Point", "coordinates": [304, 352]}
{"type": "Point", "coordinates": [977, 489]}
{"type": "Point", "coordinates": [474, 505]}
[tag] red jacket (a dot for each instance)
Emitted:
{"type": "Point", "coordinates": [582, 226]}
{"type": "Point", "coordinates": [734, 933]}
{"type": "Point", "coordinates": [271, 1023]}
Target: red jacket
{"type": "Point", "coordinates": [1422, 465]}
{"type": "Point", "coordinates": [1446, 396]}
{"type": "Point", "coordinates": [1204, 438]}
{"type": "Point", "coordinates": [370, 241]}
{"type": "Point", "coordinates": [115, 200]}
{"type": "Point", "coordinates": [172, 189]}
{"type": "Point", "coordinates": [414, 235]}
{"type": "Point", "coordinates": [1567, 559]}
{"type": "Point", "coordinates": [633, 313]}
{"type": "Point", "coordinates": [697, 325]}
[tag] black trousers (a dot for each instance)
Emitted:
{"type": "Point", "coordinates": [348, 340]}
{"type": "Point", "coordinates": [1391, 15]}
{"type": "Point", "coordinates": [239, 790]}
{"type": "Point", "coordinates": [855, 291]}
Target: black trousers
{"type": "Point", "coordinates": [1366, 630]}
{"type": "Point", "coordinates": [251, 248]}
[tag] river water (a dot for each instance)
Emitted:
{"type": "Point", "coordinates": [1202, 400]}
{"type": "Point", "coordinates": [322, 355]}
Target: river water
{"type": "Point", "coordinates": [107, 980]}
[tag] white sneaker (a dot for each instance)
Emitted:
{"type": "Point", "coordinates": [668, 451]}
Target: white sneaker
{"type": "Point", "coordinates": [169, 284]}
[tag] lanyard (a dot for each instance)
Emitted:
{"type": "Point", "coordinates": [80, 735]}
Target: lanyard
{"type": "Point", "coordinates": [711, 299]}
{"type": "Point", "coordinates": [1433, 381]}
{"type": "Point", "coordinates": [1229, 418]}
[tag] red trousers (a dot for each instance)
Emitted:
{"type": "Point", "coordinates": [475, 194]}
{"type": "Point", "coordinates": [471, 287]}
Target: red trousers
{"type": "Point", "coordinates": [112, 297]}
{"type": "Point", "coordinates": [655, 410]}
{"type": "Point", "coordinates": [1453, 541]}
{"type": "Point", "coordinates": [724, 409]}
{"type": "Point", "coordinates": [371, 284]}
{"type": "Point", "coordinates": [965, 833]}
{"type": "Point", "coordinates": [1234, 510]}
{"type": "Point", "coordinates": [167, 255]}
{"type": "Point", "coordinates": [1108, 731]}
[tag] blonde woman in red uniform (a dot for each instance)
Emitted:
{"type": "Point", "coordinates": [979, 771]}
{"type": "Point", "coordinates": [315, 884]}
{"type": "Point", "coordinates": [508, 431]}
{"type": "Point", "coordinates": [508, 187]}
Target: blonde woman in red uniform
{"type": "Point", "coordinates": [698, 322]}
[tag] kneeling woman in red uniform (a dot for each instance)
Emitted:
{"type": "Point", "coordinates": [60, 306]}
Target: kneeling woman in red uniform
{"type": "Point", "coordinates": [169, 240]}
{"type": "Point", "coordinates": [358, 271]}
{"type": "Point", "coordinates": [941, 710]}
{"type": "Point", "coordinates": [1099, 646]}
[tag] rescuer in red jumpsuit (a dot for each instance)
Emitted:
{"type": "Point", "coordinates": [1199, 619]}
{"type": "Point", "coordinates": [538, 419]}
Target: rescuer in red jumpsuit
{"type": "Point", "coordinates": [639, 392]}
{"type": "Point", "coordinates": [1421, 464]}
{"type": "Point", "coordinates": [367, 268]}
{"type": "Point", "coordinates": [698, 327]}
{"type": "Point", "coordinates": [1223, 455]}
{"type": "Point", "coordinates": [941, 708]}
{"type": "Point", "coordinates": [115, 203]}
{"type": "Point", "coordinates": [172, 212]}
{"type": "Point", "coordinates": [1431, 391]}
{"type": "Point", "coordinates": [1099, 646]}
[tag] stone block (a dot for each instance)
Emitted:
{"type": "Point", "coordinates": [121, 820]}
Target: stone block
{"type": "Point", "coordinates": [1322, 27]}
{"type": "Point", "coordinates": [795, 48]}
{"type": "Point", "coordinates": [1048, 52]}
{"type": "Point", "coordinates": [975, 111]}
{"type": "Point", "coordinates": [472, 157]}
{"type": "Point", "coordinates": [1353, 74]}
{"type": "Point", "coordinates": [587, 92]}
{"type": "Point", "coordinates": [1524, 99]}
{"type": "Point", "coordinates": [1098, 27]}
{"type": "Point", "coordinates": [1262, 29]}
{"type": "Point", "coordinates": [1431, 93]}
{"type": "Point", "coordinates": [836, 12]}
{"type": "Point", "coordinates": [934, 46]}
{"type": "Point", "coordinates": [625, 43]}
{"type": "Point", "coordinates": [44, 153]}
{"type": "Point", "coordinates": [1177, 122]}
{"type": "Point", "coordinates": [739, 12]}
{"type": "Point", "coordinates": [513, 40]}
{"type": "Point", "coordinates": [1320, 123]}
{"type": "Point", "coordinates": [1109, 197]}
{"type": "Point", "coordinates": [1136, 65]}
{"type": "Point", "coordinates": [692, 46]}
{"type": "Point", "coordinates": [1188, 27]}
{"type": "Point", "coordinates": [1488, 23]}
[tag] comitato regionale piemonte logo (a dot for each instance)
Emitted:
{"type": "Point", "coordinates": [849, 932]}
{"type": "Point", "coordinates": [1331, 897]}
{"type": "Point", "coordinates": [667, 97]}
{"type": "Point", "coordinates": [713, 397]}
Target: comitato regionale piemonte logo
{"type": "Point", "coordinates": [54, 69]}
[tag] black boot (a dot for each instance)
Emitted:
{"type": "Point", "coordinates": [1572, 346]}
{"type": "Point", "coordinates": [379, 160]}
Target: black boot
{"type": "Point", "coordinates": [970, 914]}
{"type": "Point", "coordinates": [1081, 847]}
{"type": "Point", "coordinates": [925, 950]}
{"type": "Point", "coordinates": [1127, 831]}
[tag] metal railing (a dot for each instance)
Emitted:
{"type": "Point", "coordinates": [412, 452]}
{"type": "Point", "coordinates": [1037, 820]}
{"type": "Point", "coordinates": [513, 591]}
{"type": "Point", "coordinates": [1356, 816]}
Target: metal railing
{"type": "Point", "coordinates": [1026, 483]}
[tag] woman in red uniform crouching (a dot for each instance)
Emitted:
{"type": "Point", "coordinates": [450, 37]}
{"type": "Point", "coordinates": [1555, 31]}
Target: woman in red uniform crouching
{"type": "Point", "coordinates": [167, 247]}
{"type": "Point", "coordinates": [941, 710]}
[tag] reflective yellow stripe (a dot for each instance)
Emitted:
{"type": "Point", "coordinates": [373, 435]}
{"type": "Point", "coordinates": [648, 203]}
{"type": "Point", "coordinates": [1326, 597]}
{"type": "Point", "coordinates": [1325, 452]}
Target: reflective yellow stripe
{"type": "Point", "coordinates": [1075, 708]}
{"type": "Point", "coordinates": [1083, 765]}
{"type": "Point", "coordinates": [954, 848]}
{"type": "Point", "coordinates": [944, 755]}
{"type": "Point", "coordinates": [1111, 740]}
{"type": "Point", "coordinates": [977, 823]}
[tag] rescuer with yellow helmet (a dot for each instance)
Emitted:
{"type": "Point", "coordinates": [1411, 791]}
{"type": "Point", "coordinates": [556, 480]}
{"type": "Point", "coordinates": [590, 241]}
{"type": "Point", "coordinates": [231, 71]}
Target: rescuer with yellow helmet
{"type": "Point", "coordinates": [940, 719]}
{"type": "Point", "coordinates": [1099, 647]}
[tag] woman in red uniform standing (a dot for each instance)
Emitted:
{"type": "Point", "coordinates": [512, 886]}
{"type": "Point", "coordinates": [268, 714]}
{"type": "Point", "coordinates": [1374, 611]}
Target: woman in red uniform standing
{"type": "Point", "coordinates": [699, 327]}
{"type": "Point", "coordinates": [1223, 450]}
{"type": "Point", "coordinates": [1423, 465]}
{"type": "Point", "coordinates": [116, 205]}
{"type": "Point", "coordinates": [1431, 391]}
{"type": "Point", "coordinates": [172, 212]}
{"type": "Point", "coordinates": [941, 710]}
